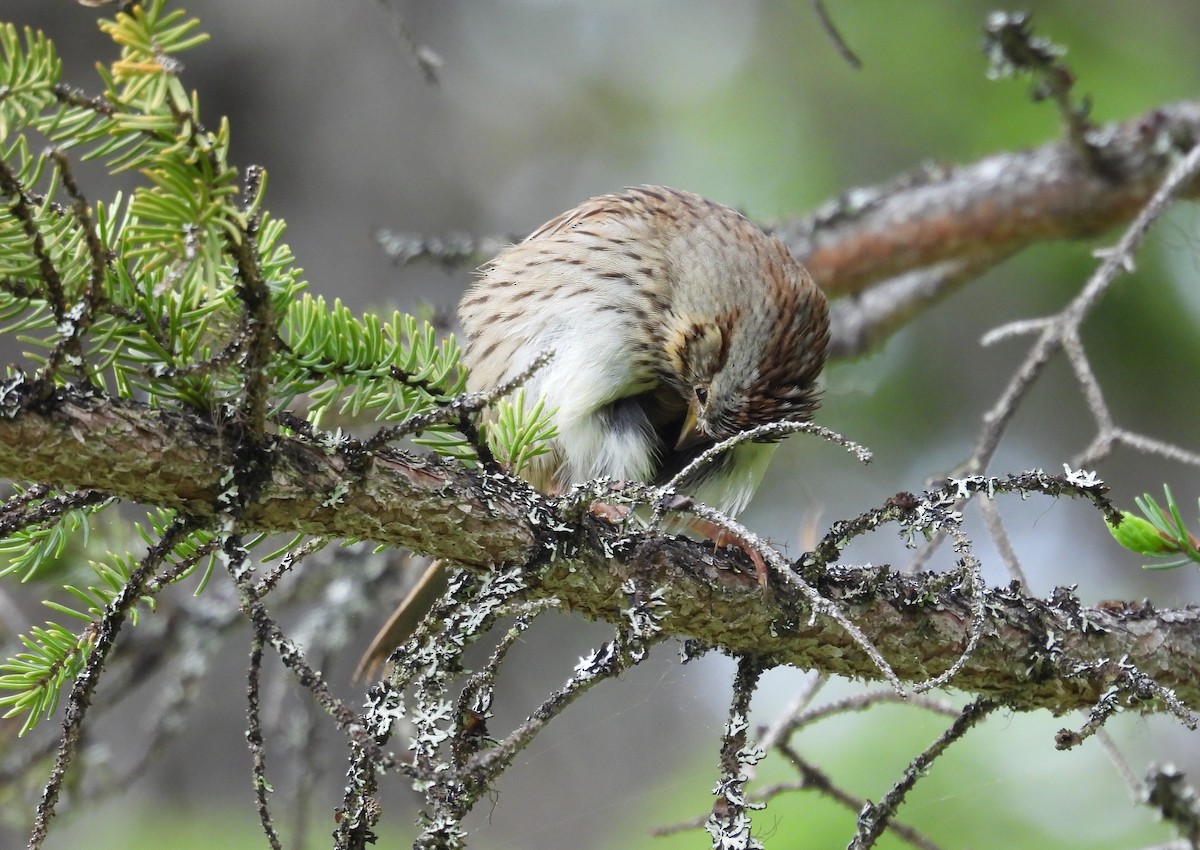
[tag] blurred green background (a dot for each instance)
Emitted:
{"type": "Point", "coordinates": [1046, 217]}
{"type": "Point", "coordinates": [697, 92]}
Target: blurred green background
{"type": "Point", "coordinates": [542, 104]}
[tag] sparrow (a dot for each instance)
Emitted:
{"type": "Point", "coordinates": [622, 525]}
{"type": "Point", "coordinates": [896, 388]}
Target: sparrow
{"type": "Point", "coordinates": [673, 323]}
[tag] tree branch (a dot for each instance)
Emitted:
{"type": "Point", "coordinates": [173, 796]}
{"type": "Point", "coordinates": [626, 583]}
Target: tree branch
{"type": "Point", "coordinates": [176, 460]}
{"type": "Point", "coordinates": [1052, 654]}
{"type": "Point", "coordinates": [900, 246]}
{"type": "Point", "coordinates": [994, 207]}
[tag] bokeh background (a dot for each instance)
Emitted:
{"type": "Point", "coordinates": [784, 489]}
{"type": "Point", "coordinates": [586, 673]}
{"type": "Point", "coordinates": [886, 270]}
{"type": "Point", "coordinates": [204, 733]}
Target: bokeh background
{"type": "Point", "coordinates": [541, 104]}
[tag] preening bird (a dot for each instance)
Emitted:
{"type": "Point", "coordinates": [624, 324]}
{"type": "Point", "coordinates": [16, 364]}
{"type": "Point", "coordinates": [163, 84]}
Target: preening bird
{"type": "Point", "coordinates": [674, 323]}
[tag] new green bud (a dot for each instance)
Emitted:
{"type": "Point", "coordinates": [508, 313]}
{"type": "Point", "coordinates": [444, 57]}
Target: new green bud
{"type": "Point", "coordinates": [1140, 535]}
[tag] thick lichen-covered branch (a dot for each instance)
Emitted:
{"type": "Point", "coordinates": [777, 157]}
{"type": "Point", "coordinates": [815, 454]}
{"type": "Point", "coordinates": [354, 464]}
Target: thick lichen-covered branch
{"type": "Point", "coordinates": [1053, 654]}
{"type": "Point", "coordinates": [175, 460]}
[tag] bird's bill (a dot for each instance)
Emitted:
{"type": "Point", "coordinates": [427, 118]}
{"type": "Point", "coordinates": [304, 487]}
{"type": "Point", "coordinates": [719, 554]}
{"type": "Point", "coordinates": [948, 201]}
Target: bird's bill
{"type": "Point", "coordinates": [690, 435]}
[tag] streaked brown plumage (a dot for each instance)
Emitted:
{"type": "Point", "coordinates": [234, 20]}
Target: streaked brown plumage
{"type": "Point", "coordinates": [674, 323]}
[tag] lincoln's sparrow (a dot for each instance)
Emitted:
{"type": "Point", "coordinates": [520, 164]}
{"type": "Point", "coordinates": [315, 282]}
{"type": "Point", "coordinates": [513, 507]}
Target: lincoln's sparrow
{"type": "Point", "coordinates": [673, 323]}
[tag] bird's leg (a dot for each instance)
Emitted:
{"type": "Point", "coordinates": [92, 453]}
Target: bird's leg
{"type": "Point", "coordinates": [612, 513]}
{"type": "Point", "coordinates": [722, 537]}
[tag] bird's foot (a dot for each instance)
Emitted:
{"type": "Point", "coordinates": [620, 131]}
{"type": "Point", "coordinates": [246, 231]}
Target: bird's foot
{"type": "Point", "coordinates": [722, 537]}
{"type": "Point", "coordinates": [612, 513]}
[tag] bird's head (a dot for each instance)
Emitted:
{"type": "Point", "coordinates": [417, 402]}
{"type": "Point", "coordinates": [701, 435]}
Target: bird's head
{"type": "Point", "coordinates": [751, 361]}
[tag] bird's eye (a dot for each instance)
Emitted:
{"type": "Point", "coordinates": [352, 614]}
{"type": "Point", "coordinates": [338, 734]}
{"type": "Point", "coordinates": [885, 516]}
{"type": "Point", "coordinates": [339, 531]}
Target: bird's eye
{"type": "Point", "coordinates": [701, 395]}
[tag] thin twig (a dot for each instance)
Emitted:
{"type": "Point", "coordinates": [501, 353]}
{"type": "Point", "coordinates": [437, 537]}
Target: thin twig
{"type": "Point", "coordinates": [770, 432]}
{"type": "Point", "coordinates": [294, 659]}
{"type": "Point", "coordinates": [1067, 323]}
{"type": "Point", "coordinates": [815, 778]}
{"type": "Point", "coordinates": [996, 530]}
{"type": "Point", "coordinates": [1137, 788]}
{"type": "Point", "coordinates": [85, 684]}
{"type": "Point", "coordinates": [972, 571]}
{"type": "Point", "coordinates": [423, 56]}
{"type": "Point", "coordinates": [835, 36]}
{"type": "Point", "coordinates": [785, 723]}
{"type": "Point", "coordinates": [1012, 47]}
{"type": "Point", "coordinates": [874, 818]}
{"type": "Point", "coordinates": [729, 822]}
{"type": "Point", "coordinates": [812, 778]}
{"type": "Point", "coordinates": [603, 663]}
{"type": "Point", "coordinates": [783, 572]}
{"type": "Point", "coordinates": [258, 315]}
{"type": "Point", "coordinates": [254, 736]}
{"type": "Point", "coordinates": [862, 702]}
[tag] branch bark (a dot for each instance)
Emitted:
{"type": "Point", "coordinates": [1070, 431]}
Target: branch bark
{"type": "Point", "coordinates": [1052, 654]}
{"type": "Point", "coordinates": [178, 460]}
{"type": "Point", "coordinates": [996, 206]}
{"type": "Point", "coordinates": [923, 235]}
